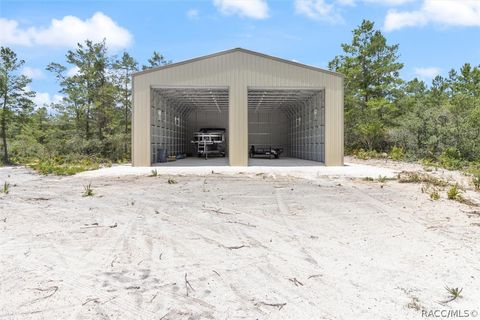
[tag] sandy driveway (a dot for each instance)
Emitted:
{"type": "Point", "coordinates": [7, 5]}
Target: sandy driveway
{"type": "Point", "coordinates": [240, 246]}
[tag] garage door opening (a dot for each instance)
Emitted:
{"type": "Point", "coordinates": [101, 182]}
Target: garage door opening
{"type": "Point", "coordinates": [182, 115]}
{"type": "Point", "coordinates": [286, 124]}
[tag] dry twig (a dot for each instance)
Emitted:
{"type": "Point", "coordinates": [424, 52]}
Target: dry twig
{"type": "Point", "coordinates": [188, 286]}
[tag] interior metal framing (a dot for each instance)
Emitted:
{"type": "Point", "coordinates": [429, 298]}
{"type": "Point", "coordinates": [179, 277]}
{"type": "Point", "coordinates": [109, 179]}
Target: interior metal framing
{"type": "Point", "coordinates": [170, 108]}
{"type": "Point", "coordinates": [305, 113]}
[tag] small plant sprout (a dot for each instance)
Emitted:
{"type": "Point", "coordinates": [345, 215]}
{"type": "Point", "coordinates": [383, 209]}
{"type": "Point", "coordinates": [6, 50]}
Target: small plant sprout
{"type": "Point", "coordinates": [434, 195]}
{"type": "Point", "coordinates": [454, 293]}
{"type": "Point", "coordinates": [87, 190]}
{"type": "Point", "coordinates": [154, 173]}
{"type": "Point", "coordinates": [453, 192]}
{"type": "Point", "coordinates": [171, 181]}
{"type": "Point", "coordinates": [382, 179]}
{"type": "Point", "coordinates": [368, 179]}
{"type": "Point", "coordinates": [6, 187]}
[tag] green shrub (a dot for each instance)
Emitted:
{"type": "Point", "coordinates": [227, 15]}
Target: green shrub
{"type": "Point", "coordinates": [67, 165]}
{"type": "Point", "coordinates": [396, 153]}
{"type": "Point", "coordinates": [451, 159]}
{"type": "Point", "coordinates": [365, 155]}
{"type": "Point", "coordinates": [453, 192]}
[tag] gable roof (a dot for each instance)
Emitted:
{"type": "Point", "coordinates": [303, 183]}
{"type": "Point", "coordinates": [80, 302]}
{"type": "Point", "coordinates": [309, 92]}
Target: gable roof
{"type": "Point", "coordinates": [297, 64]}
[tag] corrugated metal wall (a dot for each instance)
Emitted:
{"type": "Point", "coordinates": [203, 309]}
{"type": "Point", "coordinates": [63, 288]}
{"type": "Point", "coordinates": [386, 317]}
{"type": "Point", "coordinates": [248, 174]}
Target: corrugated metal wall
{"type": "Point", "coordinates": [238, 69]}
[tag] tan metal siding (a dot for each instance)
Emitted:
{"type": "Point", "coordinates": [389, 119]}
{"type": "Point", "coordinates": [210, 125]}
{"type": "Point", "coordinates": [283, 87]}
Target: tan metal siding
{"type": "Point", "coordinates": [239, 70]}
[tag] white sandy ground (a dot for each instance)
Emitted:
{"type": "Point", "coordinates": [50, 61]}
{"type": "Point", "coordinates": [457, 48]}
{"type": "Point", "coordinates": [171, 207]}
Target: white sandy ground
{"type": "Point", "coordinates": [326, 247]}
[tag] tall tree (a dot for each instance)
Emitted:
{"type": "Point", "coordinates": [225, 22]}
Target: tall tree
{"type": "Point", "coordinates": [14, 93]}
{"type": "Point", "coordinates": [156, 60]}
{"type": "Point", "coordinates": [125, 66]}
{"type": "Point", "coordinates": [90, 90]}
{"type": "Point", "coordinates": [371, 70]}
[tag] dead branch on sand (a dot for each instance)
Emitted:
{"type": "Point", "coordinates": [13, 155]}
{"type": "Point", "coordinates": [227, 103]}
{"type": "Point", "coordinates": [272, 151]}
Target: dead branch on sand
{"type": "Point", "coordinates": [54, 288]}
{"type": "Point", "coordinates": [236, 247]}
{"type": "Point", "coordinates": [296, 282]}
{"type": "Point", "coordinates": [91, 300]}
{"type": "Point", "coordinates": [277, 305]}
{"type": "Point", "coordinates": [188, 286]}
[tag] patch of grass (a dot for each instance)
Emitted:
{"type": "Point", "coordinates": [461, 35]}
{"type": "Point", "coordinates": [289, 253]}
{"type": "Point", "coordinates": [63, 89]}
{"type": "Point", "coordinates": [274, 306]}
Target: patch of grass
{"type": "Point", "coordinates": [396, 153]}
{"type": "Point", "coordinates": [365, 155]}
{"type": "Point", "coordinates": [67, 166]}
{"type": "Point", "coordinates": [418, 177]}
{"type": "Point", "coordinates": [172, 181]}
{"type": "Point", "coordinates": [453, 192]}
{"type": "Point", "coordinates": [368, 179]}
{"type": "Point", "coordinates": [153, 173]}
{"type": "Point", "coordinates": [88, 190]}
{"type": "Point", "coordinates": [6, 187]}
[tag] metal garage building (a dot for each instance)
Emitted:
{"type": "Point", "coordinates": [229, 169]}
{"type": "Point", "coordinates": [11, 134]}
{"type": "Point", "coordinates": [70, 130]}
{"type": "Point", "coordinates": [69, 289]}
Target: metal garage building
{"type": "Point", "coordinates": [261, 100]}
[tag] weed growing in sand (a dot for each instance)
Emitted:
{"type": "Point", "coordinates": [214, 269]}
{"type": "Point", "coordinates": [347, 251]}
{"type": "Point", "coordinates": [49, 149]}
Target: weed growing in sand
{"type": "Point", "coordinates": [453, 192]}
{"type": "Point", "coordinates": [154, 173]}
{"type": "Point", "coordinates": [476, 182]}
{"type": "Point", "coordinates": [6, 187]}
{"type": "Point", "coordinates": [368, 179]}
{"type": "Point", "coordinates": [455, 293]}
{"type": "Point", "coordinates": [435, 195]}
{"type": "Point", "coordinates": [87, 190]}
{"type": "Point", "coordinates": [172, 181]}
{"type": "Point", "coordinates": [382, 179]}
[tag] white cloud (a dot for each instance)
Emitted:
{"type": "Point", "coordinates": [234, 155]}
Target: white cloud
{"type": "Point", "coordinates": [193, 14]}
{"type": "Point", "coordinates": [318, 10]}
{"type": "Point", "coordinates": [427, 73]}
{"type": "Point", "coordinates": [256, 9]}
{"type": "Point", "coordinates": [440, 12]}
{"type": "Point", "coordinates": [72, 71]}
{"type": "Point", "coordinates": [44, 98]}
{"type": "Point", "coordinates": [32, 73]}
{"type": "Point", "coordinates": [66, 32]}
{"type": "Point", "coordinates": [390, 3]}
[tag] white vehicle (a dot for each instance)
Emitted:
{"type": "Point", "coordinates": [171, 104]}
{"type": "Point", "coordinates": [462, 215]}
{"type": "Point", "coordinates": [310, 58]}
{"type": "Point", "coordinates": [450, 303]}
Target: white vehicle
{"type": "Point", "coordinates": [209, 141]}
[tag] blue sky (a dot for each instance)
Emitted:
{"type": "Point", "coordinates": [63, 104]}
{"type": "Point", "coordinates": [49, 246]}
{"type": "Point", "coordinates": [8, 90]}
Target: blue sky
{"type": "Point", "coordinates": [434, 35]}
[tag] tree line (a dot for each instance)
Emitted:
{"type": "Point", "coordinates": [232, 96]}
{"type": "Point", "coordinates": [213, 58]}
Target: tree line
{"type": "Point", "coordinates": [93, 118]}
{"type": "Point", "coordinates": [439, 121]}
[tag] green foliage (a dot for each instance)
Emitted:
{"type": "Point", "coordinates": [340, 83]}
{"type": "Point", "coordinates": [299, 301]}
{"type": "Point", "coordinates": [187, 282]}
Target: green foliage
{"type": "Point", "coordinates": [438, 122]}
{"type": "Point", "coordinates": [451, 159]}
{"type": "Point", "coordinates": [453, 192]}
{"type": "Point", "coordinates": [368, 179]}
{"type": "Point", "coordinates": [396, 153]}
{"type": "Point", "coordinates": [66, 165]}
{"type": "Point", "coordinates": [15, 97]}
{"type": "Point", "coordinates": [154, 173]}
{"type": "Point", "coordinates": [88, 190]}
{"type": "Point", "coordinates": [172, 181]}
{"type": "Point", "coordinates": [365, 155]}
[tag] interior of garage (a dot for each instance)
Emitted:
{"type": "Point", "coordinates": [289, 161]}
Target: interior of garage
{"type": "Point", "coordinates": [292, 120]}
{"type": "Point", "coordinates": [177, 113]}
